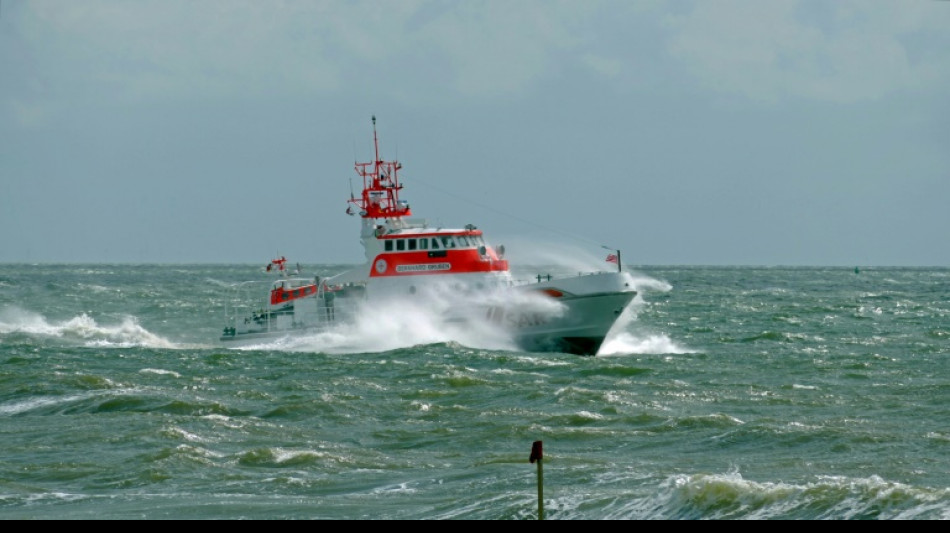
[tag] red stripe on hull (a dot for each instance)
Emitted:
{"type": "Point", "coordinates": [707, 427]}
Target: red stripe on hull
{"type": "Point", "coordinates": [421, 264]}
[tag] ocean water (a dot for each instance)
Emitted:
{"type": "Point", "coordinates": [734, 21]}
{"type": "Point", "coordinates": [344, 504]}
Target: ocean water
{"type": "Point", "coordinates": [724, 393]}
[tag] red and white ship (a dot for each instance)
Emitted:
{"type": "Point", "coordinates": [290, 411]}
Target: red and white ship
{"type": "Point", "coordinates": [408, 259]}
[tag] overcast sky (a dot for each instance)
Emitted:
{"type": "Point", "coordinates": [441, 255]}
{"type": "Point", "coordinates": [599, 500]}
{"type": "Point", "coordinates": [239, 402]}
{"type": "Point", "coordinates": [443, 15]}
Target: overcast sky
{"type": "Point", "coordinates": [710, 132]}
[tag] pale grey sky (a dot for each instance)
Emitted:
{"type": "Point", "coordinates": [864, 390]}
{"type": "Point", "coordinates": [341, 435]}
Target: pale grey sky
{"type": "Point", "coordinates": [710, 132]}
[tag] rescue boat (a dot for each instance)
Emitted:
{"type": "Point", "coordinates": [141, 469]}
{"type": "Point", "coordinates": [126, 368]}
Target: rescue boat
{"type": "Point", "coordinates": [408, 259]}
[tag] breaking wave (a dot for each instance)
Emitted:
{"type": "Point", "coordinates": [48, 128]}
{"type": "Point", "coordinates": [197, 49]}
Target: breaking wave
{"type": "Point", "coordinates": [82, 328]}
{"type": "Point", "coordinates": [625, 338]}
{"type": "Point", "coordinates": [729, 497]}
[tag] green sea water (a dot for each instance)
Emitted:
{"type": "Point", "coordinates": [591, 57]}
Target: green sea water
{"type": "Point", "coordinates": [724, 393]}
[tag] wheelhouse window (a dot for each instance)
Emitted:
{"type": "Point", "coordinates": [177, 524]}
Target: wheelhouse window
{"type": "Point", "coordinates": [423, 244]}
{"type": "Point", "coordinates": [412, 244]}
{"type": "Point", "coordinates": [401, 245]}
{"type": "Point", "coordinates": [388, 246]}
{"type": "Point", "coordinates": [463, 242]}
{"type": "Point", "coordinates": [435, 244]}
{"type": "Point", "coordinates": [448, 242]}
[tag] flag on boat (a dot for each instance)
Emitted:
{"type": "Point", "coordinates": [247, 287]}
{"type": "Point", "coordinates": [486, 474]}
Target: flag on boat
{"type": "Point", "coordinates": [612, 258]}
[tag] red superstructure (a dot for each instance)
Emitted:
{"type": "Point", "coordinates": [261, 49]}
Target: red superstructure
{"type": "Point", "coordinates": [397, 246]}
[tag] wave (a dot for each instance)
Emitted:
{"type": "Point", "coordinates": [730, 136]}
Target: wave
{"type": "Point", "coordinates": [82, 329]}
{"type": "Point", "coordinates": [643, 283]}
{"type": "Point", "coordinates": [624, 339]}
{"type": "Point", "coordinates": [730, 497]}
{"type": "Point", "coordinates": [627, 343]}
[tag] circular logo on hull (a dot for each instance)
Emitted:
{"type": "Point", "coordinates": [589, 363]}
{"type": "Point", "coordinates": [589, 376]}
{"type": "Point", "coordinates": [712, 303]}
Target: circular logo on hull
{"type": "Point", "coordinates": [381, 266]}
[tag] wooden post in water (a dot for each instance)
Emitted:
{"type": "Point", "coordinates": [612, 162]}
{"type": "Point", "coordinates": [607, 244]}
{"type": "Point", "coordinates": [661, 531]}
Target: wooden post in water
{"type": "Point", "coordinates": [536, 456]}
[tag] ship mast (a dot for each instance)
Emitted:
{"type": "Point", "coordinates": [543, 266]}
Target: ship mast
{"type": "Point", "coordinates": [376, 144]}
{"type": "Point", "coordinates": [380, 196]}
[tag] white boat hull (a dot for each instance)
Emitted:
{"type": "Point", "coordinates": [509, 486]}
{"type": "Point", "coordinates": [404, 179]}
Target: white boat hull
{"type": "Point", "coordinates": [581, 330]}
{"type": "Point", "coordinates": [571, 315]}
{"type": "Point", "coordinates": [574, 315]}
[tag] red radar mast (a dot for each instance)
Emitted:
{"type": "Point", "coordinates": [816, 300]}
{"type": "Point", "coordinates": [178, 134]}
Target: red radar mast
{"type": "Point", "coordinates": [277, 263]}
{"type": "Point", "coordinates": [380, 197]}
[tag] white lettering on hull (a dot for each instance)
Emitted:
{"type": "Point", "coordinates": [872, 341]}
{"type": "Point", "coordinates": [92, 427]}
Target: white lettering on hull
{"type": "Point", "coordinates": [424, 268]}
{"type": "Point", "coordinates": [517, 319]}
